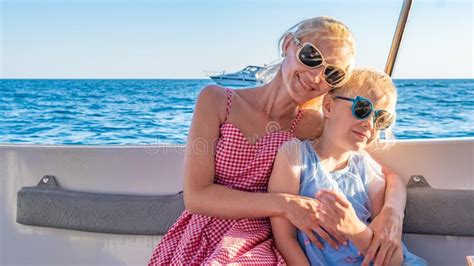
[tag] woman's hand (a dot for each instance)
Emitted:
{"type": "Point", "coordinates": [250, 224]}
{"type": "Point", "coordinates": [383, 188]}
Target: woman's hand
{"type": "Point", "coordinates": [339, 213]}
{"type": "Point", "coordinates": [302, 212]}
{"type": "Point", "coordinates": [387, 239]}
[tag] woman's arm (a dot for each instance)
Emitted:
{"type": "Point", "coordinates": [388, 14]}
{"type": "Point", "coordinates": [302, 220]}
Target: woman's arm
{"type": "Point", "coordinates": [387, 224]}
{"type": "Point", "coordinates": [337, 208]}
{"type": "Point", "coordinates": [201, 195]}
{"type": "Point", "coordinates": [395, 192]}
{"type": "Point", "coordinates": [341, 214]}
{"type": "Point", "coordinates": [285, 179]}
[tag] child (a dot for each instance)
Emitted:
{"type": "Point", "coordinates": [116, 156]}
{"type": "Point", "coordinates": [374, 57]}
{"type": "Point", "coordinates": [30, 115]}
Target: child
{"type": "Point", "coordinates": [354, 116]}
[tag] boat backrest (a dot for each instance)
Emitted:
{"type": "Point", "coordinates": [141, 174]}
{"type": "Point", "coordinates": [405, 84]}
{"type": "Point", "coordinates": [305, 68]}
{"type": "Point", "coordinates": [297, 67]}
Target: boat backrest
{"type": "Point", "coordinates": [98, 184]}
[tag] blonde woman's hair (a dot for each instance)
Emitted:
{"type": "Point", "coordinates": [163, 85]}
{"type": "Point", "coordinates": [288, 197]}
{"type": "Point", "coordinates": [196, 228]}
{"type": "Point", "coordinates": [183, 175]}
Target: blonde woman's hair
{"type": "Point", "coordinates": [372, 84]}
{"type": "Point", "coordinates": [326, 28]}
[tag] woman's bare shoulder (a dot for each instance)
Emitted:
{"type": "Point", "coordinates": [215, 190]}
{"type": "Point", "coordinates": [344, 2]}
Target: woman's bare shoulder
{"type": "Point", "coordinates": [213, 92]}
{"type": "Point", "coordinates": [310, 125]}
{"type": "Point", "coordinates": [213, 98]}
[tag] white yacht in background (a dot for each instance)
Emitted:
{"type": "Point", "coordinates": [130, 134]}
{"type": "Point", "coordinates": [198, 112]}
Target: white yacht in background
{"type": "Point", "coordinates": [247, 77]}
{"type": "Point", "coordinates": [110, 205]}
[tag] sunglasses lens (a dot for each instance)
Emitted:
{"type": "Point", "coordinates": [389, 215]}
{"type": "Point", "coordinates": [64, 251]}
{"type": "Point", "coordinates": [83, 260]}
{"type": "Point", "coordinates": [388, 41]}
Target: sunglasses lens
{"type": "Point", "coordinates": [310, 56]}
{"type": "Point", "coordinates": [382, 119]}
{"type": "Point", "coordinates": [362, 108]}
{"type": "Point", "coordinates": [334, 75]}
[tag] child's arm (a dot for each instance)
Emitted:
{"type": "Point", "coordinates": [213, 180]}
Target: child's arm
{"type": "Point", "coordinates": [335, 204]}
{"type": "Point", "coordinates": [348, 223]}
{"type": "Point", "coordinates": [362, 242]}
{"type": "Point", "coordinates": [285, 178]}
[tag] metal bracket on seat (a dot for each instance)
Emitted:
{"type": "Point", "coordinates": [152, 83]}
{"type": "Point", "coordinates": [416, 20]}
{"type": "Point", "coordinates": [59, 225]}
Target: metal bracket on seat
{"type": "Point", "coordinates": [48, 181]}
{"type": "Point", "coordinates": [418, 181]}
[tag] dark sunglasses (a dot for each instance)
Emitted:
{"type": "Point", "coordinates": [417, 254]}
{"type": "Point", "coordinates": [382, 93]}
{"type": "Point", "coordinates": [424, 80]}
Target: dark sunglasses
{"type": "Point", "coordinates": [310, 56]}
{"type": "Point", "coordinates": [362, 108]}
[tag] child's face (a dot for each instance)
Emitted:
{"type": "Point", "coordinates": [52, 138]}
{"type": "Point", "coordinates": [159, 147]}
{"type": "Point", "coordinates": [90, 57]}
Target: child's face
{"type": "Point", "coordinates": [346, 130]}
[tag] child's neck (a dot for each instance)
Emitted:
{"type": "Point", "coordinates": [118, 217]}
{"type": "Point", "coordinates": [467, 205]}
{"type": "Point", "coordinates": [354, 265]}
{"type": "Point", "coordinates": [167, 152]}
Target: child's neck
{"type": "Point", "coordinates": [332, 156]}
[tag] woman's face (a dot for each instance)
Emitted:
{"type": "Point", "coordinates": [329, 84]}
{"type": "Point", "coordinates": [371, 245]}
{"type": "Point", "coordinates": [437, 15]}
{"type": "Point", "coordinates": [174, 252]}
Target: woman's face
{"type": "Point", "coordinates": [303, 83]}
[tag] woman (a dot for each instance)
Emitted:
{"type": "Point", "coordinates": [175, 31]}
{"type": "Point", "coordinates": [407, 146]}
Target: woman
{"type": "Point", "coordinates": [232, 143]}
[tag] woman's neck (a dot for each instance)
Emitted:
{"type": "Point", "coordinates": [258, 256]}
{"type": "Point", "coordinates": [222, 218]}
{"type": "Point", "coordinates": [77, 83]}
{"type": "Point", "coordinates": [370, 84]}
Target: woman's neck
{"type": "Point", "coordinates": [275, 100]}
{"type": "Point", "coordinates": [332, 156]}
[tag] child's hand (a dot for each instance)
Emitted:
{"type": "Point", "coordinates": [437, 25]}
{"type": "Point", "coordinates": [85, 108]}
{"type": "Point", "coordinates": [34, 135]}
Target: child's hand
{"type": "Point", "coordinates": [339, 211]}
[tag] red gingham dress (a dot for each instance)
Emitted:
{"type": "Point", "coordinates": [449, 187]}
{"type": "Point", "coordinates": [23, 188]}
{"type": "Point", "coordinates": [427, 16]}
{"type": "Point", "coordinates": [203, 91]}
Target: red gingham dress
{"type": "Point", "coordinates": [197, 239]}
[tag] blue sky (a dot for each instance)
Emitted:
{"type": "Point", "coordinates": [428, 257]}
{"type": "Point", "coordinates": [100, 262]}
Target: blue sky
{"type": "Point", "coordinates": [182, 39]}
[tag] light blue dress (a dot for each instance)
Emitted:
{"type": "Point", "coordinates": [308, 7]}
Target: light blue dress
{"type": "Point", "coordinates": [353, 182]}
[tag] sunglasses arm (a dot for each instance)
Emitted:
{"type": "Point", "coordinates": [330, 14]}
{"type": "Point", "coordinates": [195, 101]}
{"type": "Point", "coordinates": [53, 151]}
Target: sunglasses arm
{"type": "Point", "coordinates": [345, 98]}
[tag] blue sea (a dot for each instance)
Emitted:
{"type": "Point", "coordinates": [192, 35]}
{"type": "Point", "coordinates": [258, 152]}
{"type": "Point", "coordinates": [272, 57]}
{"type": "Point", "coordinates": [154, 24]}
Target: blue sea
{"type": "Point", "coordinates": [99, 112]}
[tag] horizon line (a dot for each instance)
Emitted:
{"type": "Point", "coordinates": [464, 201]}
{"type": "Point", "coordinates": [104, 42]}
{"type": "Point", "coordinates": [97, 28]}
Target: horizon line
{"type": "Point", "coordinates": [191, 78]}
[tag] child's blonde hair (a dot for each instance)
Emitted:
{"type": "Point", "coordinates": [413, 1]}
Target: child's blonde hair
{"type": "Point", "coordinates": [372, 84]}
{"type": "Point", "coordinates": [326, 28]}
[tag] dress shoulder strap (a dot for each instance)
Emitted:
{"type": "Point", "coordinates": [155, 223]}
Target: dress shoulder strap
{"type": "Point", "coordinates": [296, 120]}
{"type": "Point", "coordinates": [229, 93]}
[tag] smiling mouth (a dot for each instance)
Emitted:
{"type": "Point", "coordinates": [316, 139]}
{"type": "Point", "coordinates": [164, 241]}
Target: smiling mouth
{"type": "Point", "coordinates": [305, 85]}
{"type": "Point", "coordinates": [360, 135]}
